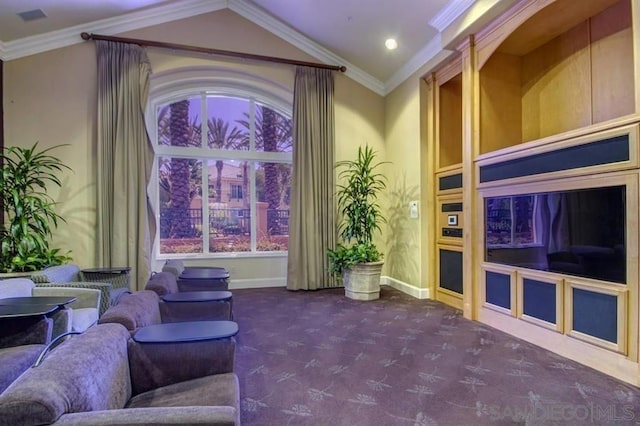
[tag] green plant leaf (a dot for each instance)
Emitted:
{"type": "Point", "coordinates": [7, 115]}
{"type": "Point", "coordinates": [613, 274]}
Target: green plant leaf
{"type": "Point", "coordinates": [29, 210]}
{"type": "Point", "coordinates": [360, 214]}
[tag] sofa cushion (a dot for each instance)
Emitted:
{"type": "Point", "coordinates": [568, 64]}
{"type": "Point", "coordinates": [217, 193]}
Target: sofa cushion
{"type": "Point", "coordinates": [219, 389]}
{"type": "Point", "coordinates": [88, 372]}
{"type": "Point", "coordinates": [83, 318]}
{"type": "Point", "coordinates": [135, 310]}
{"type": "Point", "coordinates": [14, 361]}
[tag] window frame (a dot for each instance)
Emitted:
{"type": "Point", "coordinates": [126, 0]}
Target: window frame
{"type": "Point", "coordinates": [167, 92]}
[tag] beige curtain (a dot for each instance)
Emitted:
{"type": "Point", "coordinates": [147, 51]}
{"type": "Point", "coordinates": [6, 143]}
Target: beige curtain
{"type": "Point", "coordinates": [125, 157]}
{"type": "Point", "coordinates": [312, 221]}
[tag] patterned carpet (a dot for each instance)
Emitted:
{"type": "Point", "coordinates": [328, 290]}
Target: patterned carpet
{"type": "Point", "coordinates": [317, 358]}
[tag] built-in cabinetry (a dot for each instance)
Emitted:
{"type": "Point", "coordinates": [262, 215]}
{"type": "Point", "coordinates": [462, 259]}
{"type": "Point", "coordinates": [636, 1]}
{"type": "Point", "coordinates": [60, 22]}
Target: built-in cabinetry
{"type": "Point", "coordinates": [540, 114]}
{"type": "Point", "coordinates": [447, 86]}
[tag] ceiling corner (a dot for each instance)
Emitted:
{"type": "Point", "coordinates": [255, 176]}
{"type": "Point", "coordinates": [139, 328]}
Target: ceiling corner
{"type": "Point", "coordinates": [449, 13]}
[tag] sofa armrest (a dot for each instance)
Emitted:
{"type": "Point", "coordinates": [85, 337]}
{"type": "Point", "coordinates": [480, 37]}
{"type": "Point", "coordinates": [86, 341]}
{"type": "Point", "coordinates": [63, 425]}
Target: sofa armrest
{"type": "Point", "coordinates": [218, 416]}
{"type": "Point", "coordinates": [105, 290]}
{"type": "Point", "coordinates": [153, 365]}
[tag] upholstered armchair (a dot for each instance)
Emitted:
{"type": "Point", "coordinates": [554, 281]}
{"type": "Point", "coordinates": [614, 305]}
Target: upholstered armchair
{"type": "Point", "coordinates": [78, 316]}
{"type": "Point", "coordinates": [103, 377]}
{"type": "Point", "coordinates": [69, 275]}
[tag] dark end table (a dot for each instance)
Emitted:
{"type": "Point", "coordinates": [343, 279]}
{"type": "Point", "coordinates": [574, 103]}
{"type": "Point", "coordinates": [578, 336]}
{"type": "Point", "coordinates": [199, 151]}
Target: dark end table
{"type": "Point", "coordinates": [191, 331]}
{"type": "Point", "coordinates": [198, 296]}
{"type": "Point", "coordinates": [118, 276]}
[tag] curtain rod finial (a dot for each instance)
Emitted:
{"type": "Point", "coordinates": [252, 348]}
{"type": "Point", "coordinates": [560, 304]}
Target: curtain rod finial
{"type": "Point", "coordinates": [343, 69]}
{"type": "Point", "coordinates": [85, 36]}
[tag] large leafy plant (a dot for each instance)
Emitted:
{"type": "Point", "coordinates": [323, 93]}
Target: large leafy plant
{"type": "Point", "coordinates": [360, 215]}
{"type": "Point", "coordinates": [29, 211]}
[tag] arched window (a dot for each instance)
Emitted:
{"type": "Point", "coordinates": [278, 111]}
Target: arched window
{"type": "Point", "coordinates": [222, 173]}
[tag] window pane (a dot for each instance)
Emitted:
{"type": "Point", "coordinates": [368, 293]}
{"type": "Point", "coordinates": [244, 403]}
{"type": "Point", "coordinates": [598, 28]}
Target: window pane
{"type": "Point", "coordinates": [229, 206]}
{"type": "Point", "coordinates": [179, 123]}
{"type": "Point", "coordinates": [227, 123]}
{"type": "Point", "coordinates": [180, 205]}
{"type": "Point", "coordinates": [523, 213]}
{"type": "Point", "coordinates": [498, 221]}
{"type": "Point", "coordinates": [273, 131]}
{"type": "Point", "coordinates": [273, 191]}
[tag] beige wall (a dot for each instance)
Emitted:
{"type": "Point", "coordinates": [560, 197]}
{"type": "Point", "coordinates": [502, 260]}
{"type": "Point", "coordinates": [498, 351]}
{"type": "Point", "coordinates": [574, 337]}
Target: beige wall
{"type": "Point", "coordinates": [50, 97]}
{"type": "Point", "coordinates": [402, 135]}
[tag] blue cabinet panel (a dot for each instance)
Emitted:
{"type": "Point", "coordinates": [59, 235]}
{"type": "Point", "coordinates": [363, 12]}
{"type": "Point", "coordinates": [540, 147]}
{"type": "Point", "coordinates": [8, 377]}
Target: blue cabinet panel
{"type": "Point", "coordinates": [498, 289]}
{"type": "Point", "coordinates": [539, 300]}
{"type": "Point", "coordinates": [595, 314]}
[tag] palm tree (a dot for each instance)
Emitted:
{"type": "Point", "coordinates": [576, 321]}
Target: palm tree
{"type": "Point", "coordinates": [180, 170]}
{"type": "Point", "coordinates": [273, 134]}
{"type": "Point", "coordinates": [220, 137]}
{"type": "Point", "coordinates": [271, 184]}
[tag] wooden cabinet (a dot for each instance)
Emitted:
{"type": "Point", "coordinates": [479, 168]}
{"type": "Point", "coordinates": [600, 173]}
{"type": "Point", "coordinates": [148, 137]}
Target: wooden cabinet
{"type": "Point", "coordinates": [569, 65]}
{"type": "Point", "coordinates": [544, 98]}
{"type": "Point", "coordinates": [450, 122]}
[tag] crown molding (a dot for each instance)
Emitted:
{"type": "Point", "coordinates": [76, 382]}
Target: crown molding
{"type": "Point", "coordinates": [450, 13]}
{"type": "Point", "coordinates": [278, 28]}
{"type": "Point", "coordinates": [55, 39]}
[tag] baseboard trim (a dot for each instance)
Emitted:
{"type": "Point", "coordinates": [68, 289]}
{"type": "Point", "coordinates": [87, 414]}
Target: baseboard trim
{"type": "Point", "coordinates": [410, 289]}
{"type": "Point", "coordinates": [236, 284]}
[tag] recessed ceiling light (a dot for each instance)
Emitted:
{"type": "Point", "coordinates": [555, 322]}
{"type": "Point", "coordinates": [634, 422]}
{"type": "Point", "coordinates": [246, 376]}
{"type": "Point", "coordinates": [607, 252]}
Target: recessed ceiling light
{"type": "Point", "coordinates": [391, 43]}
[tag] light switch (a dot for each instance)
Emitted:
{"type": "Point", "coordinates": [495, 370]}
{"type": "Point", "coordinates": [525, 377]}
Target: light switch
{"type": "Point", "coordinates": [413, 209]}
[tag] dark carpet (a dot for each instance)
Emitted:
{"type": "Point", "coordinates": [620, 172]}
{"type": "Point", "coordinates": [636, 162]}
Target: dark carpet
{"type": "Point", "coordinates": [317, 358]}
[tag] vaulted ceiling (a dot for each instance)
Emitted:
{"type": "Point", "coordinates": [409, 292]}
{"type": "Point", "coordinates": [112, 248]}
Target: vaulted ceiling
{"type": "Point", "coordinates": [340, 32]}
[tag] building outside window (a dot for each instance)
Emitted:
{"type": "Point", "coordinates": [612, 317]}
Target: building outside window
{"type": "Point", "coordinates": [511, 221]}
{"type": "Point", "coordinates": [223, 182]}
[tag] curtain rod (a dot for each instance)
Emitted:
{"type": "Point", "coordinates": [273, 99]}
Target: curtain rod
{"type": "Point", "coordinates": [206, 50]}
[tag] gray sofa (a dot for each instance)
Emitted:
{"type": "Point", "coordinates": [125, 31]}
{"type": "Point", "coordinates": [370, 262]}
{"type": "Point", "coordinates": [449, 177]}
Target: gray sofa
{"type": "Point", "coordinates": [104, 377]}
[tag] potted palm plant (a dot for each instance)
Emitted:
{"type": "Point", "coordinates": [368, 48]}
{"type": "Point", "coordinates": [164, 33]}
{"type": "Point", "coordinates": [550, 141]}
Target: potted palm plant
{"type": "Point", "coordinates": [29, 211]}
{"type": "Point", "coordinates": [357, 259]}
